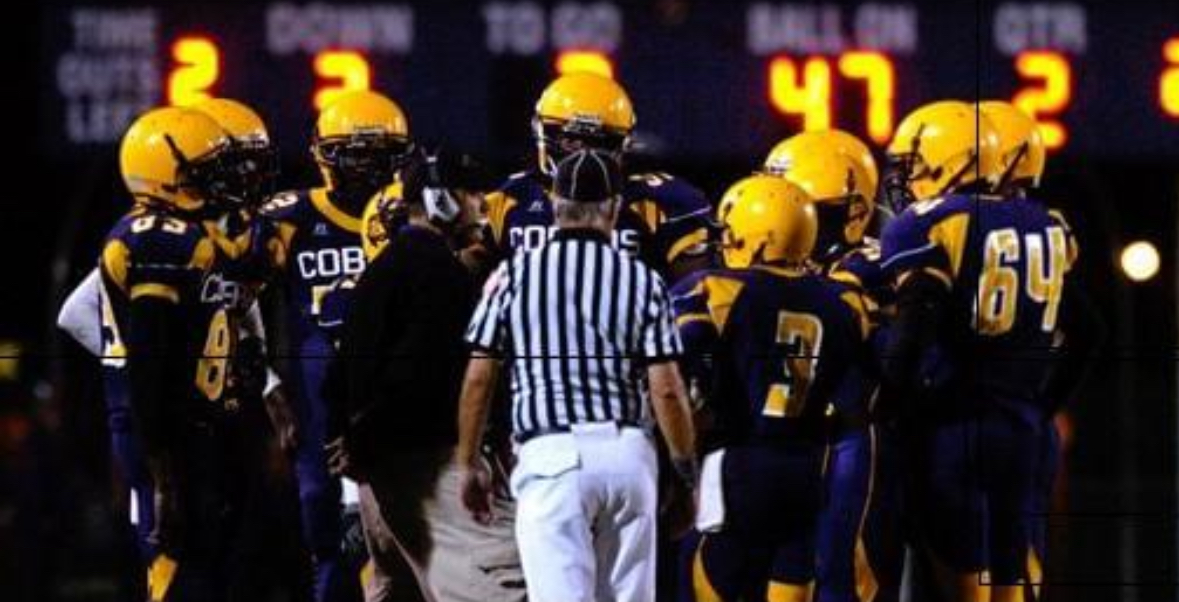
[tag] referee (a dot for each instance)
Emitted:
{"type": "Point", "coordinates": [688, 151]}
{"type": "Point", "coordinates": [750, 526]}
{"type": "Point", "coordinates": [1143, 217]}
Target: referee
{"type": "Point", "coordinates": [588, 336]}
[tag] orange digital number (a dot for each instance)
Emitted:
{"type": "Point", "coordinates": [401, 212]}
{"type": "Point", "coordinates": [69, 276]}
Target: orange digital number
{"type": "Point", "coordinates": [1050, 96]}
{"type": "Point", "coordinates": [584, 61]}
{"type": "Point", "coordinates": [345, 69]}
{"type": "Point", "coordinates": [1169, 80]}
{"type": "Point", "coordinates": [810, 99]}
{"type": "Point", "coordinates": [876, 70]}
{"type": "Point", "coordinates": [198, 65]}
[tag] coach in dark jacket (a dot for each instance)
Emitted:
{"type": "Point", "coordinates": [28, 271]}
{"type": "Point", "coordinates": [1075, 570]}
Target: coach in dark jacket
{"type": "Point", "coordinates": [393, 392]}
{"type": "Point", "coordinates": [401, 352]}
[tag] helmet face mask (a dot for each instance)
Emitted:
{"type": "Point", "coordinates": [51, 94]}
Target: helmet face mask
{"type": "Point", "coordinates": [581, 110]}
{"type": "Point", "coordinates": [362, 162]}
{"type": "Point", "coordinates": [558, 139]}
{"type": "Point", "coordinates": [244, 178]}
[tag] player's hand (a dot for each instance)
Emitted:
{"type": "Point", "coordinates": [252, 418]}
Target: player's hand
{"type": "Point", "coordinates": [476, 492]}
{"type": "Point", "coordinates": [339, 463]}
{"type": "Point", "coordinates": [678, 509]}
{"type": "Point", "coordinates": [282, 418]}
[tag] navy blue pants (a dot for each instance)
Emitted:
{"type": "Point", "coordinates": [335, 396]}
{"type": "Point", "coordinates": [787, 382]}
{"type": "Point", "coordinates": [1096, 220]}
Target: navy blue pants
{"type": "Point", "coordinates": [772, 503]}
{"type": "Point", "coordinates": [860, 547]}
{"type": "Point", "coordinates": [976, 490]}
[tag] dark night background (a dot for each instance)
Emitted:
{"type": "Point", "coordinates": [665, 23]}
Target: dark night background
{"type": "Point", "coordinates": [1116, 533]}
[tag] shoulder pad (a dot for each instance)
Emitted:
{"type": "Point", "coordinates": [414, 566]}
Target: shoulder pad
{"type": "Point", "coordinates": [285, 205]}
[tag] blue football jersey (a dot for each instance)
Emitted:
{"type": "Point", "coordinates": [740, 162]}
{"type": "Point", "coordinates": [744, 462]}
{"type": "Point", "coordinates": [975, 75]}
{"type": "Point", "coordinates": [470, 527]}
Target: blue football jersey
{"type": "Point", "coordinates": [1004, 261]}
{"type": "Point", "coordinates": [773, 346]}
{"type": "Point", "coordinates": [314, 245]}
{"type": "Point", "coordinates": [661, 218]}
{"type": "Point", "coordinates": [149, 253]}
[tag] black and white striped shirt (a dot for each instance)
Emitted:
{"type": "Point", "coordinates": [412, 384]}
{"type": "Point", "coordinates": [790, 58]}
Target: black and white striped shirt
{"type": "Point", "coordinates": [577, 321]}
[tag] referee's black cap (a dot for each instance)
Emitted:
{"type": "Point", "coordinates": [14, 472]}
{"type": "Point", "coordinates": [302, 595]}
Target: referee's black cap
{"type": "Point", "coordinates": [588, 176]}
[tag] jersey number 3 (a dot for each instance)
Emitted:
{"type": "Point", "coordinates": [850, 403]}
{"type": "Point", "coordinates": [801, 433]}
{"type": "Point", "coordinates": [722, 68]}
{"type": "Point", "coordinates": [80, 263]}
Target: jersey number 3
{"type": "Point", "coordinates": [1046, 260]}
{"type": "Point", "coordinates": [801, 335]}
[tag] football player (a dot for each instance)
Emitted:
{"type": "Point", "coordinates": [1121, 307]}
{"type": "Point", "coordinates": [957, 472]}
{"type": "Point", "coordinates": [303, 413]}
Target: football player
{"type": "Point", "coordinates": [167, 318]}
{"type": "Point", "coordinates": [1022, 160]}
{"type": "Point", "coordinates": [861, 555]}
{"type": "Point", "coordinates": [780, 340]}
{"type": "Point", "coordinates": [311, 239]}
{"type": "Point", "coordinates": [982, 299]}
{"type": "Point", "coordinates": [249, 171]}
{"type": "Point", "coordinates": [663, 220]}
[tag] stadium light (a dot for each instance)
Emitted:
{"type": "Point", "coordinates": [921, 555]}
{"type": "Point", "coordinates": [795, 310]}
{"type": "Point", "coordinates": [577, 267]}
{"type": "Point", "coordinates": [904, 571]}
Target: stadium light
{"type": "Point", "coordinates": [1140, 261]}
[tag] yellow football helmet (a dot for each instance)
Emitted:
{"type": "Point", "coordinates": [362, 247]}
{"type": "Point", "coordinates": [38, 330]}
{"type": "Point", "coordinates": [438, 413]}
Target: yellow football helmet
{"type": "Point", "coordinates": [174, 157]}
{"type": "Point", "coordinates": [820, 163]}
{"type": "Point", "coordinates": [1021, 145]}
{"type": "Point", "coordinates": [242, 122]}
{"type": "Point", "coordinates": [942, 146]}
{"type": "Point", "coordinates": [255, 162]}
{"type": "Point", "coordinates": [845, 142]}
{"type": "Point", "coordinates": [361, 140]}
{"type": "Point", "coordinates": [766, 220]}
{"type": "Point", "coordinates": [581, 110]}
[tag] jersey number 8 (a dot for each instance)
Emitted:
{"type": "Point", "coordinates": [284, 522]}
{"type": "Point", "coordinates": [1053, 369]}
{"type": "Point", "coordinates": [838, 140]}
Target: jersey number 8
{"type": "Point", "coordinates": [211, 369]}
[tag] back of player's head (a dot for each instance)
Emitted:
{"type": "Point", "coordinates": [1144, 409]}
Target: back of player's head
{"type": "Point", "coordinates": [1021, 145]}
{"type": "Point", "coordinates": [835, 173]}
{"type": "Point", "coordinates": [174, 157]}
{"type": "Point", "coordinates": [942, 147]}
{"type": "Point", "coordinates": [254, 162]}
{"type": "Point", "coordinates": [766, 220]}
{"type": "Point", "coordinates": [361, 139]}
{"type": "Point", "coordinates": [581, 110]}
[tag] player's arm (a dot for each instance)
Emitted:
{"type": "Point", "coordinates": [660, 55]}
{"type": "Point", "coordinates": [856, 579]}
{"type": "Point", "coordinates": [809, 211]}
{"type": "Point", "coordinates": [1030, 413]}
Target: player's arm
{"type": "Point", "coordinates": [79, 314]}
{"type": "Point", "coordinates": [680, 216]}
{"type": "Point", "coordinates": [661, 349]}
{"type": "Point", "coordinates": [156, 368]}
{"type": "Point", "coordinates": [487, 336]}
{"type": "Point", "coordinates": [1084, 332]}
{"type": "Point", "coordinates": [921, 298]}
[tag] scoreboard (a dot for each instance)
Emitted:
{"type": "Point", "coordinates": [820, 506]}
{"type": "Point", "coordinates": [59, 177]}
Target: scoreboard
{"type": "Point", "coordinates": [709, 79]}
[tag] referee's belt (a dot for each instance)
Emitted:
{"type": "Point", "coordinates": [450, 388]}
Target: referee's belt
{"type": "Point", "coordinates": [523, 437]}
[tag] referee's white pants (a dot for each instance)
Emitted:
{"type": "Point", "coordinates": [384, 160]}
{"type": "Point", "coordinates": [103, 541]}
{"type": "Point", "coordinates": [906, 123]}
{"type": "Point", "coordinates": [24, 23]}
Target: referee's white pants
{"type": "Point", "coordinates": [586, 514]}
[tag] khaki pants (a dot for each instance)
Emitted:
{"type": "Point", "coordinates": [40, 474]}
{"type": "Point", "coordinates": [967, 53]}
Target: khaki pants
{"type": "Point", "coordinates": [423, 543]}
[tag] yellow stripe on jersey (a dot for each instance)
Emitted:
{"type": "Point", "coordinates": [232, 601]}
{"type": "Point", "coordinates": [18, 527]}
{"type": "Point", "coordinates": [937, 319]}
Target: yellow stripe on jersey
{"type": "Point", "coordinates": [788, 592]}
{"type": "Point", "coordinates": [335, 215]}
{"type": "Point", "coordinates": [498, 206]}
{"type": "Point", "coordinates": [1074, 248]}
{"type": "Point", "coordinates": [845, 276]}
{"type": "Point", "coordinates": [1035, 572]}
{"type": "Point", "coordinates": [680, 321]}
{"type": "Point", "coordinates": [157, 290]}
{"type": "Point", "coordinates": [701, 585]}
{"type": "Point", "coordinates": [203, 255]}
{"type": "Point", "coordinates": [950, 235]}
{"type": "Point", "coordinates": [648, 210]}
{"type": "Point", "coordinates": [721, 293]}
{"type": "Point", "coordinates": [696, 238]}
{"type": "Point", "coordinates": [115, 257]}
{"type": "Point", "coordinates": [861, 307]}
{"type": "Point", "coordinates": [159, 577]}
{"type": "Point", "coordinates": [277, 248]}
